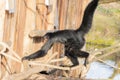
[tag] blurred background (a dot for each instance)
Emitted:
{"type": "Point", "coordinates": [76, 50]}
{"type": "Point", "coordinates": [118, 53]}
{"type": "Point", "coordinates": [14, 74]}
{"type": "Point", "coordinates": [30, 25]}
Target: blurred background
{"type": "Point", "coordinates": [105, 33]}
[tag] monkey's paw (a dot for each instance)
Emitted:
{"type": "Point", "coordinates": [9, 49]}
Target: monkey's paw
{"type": "Point", "coordinates": [26, 58]}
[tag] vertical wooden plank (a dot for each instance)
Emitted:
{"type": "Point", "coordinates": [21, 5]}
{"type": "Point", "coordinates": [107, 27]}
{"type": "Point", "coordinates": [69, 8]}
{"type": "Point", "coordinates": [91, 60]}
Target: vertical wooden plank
{"type": "Point", "coordinates": [62, 7]}
{"type": "Point", "coordinates": [6, 38]}
{"type": "Point", "coordinates": [2, 16]}
{"type": "Point", "coordinates": [19, 31]}
{"type": "Point", "coordinates": [79, 12]}
{"type": "Point", "coordinates": [51, 16]}
{"type": "Point", "coordinates": [75, 13]}
{"type": "Point", "coordinates": [41, 12]}
{"type": "Point", "coordinates": [71, 14]}
{"type": "Point", "coordinates": [29, 25]}
{"type": "Point", "coordinates": [13, 32]}
{"type": "Point", "coordinates": [6, 28]}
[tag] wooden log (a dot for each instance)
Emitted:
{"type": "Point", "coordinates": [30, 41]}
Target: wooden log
{"type": "Point", "coordinates": [29, 72]}
{"type": "Point", "coordinates": [36, 33]}
{"type": "Point", "coordinates": [34, 70]}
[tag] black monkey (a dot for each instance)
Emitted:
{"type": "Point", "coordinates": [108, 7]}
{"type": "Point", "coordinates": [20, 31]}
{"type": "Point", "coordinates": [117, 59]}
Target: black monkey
{"type": "Point", "coordinates": [72, 51]}
{"type": "Point", "coordinates": [72, 39]}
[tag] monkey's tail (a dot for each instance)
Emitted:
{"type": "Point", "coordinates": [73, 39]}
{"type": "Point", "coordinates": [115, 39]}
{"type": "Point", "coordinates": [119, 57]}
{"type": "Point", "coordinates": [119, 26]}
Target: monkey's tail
{"type": "Point", "coordinates": [88, 17]}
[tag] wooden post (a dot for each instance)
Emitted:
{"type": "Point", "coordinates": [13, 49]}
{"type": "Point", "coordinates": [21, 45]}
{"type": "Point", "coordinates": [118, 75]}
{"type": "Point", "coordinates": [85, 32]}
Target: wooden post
{"type": "Point", "coordinates": [13, 31]}
{"type": "Point", "coordinates": [51, 16]}
{"type": "Point", "coordinates": [62, 8]}
{"type": "Point", "coordinates": [29, 25]}
{"type": "Point", "coordinates": [17, 32]}
{"type": "Point", "coordinates": [2, 15]}
{"type": "Point", "coordinates": [41, 12]}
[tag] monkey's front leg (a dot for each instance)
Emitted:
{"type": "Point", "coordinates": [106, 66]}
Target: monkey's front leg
{"type": "Point", "coordinates": [40, 53]}
{"type": "Point", "coordinates": [37, 54]}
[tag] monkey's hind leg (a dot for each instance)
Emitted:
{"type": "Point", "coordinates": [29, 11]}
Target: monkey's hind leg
{"type": "Point", "coordinates": [83, 54]}
{"type": "Point", "coordinates": [73, 58]}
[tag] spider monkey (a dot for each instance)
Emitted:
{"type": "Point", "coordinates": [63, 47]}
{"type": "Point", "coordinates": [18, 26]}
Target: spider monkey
{"type": "Point", "coordinates": [73, 40]}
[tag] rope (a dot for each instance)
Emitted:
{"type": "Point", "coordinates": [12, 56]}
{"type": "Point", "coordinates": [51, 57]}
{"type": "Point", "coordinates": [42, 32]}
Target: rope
{"type": "Point", "coordinates": [7, 67]}
{"type": "Point", "coordinates": [11, 57]}
{"type": "Point", "coordinates": [5, 56]}
{"type": "Point", "coordinates": [5, 46]}
{"type": "Point", "coordinates": [107, 64]}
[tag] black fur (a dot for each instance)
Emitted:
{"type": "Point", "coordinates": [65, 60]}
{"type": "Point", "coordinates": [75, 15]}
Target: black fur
{"type": "Point", "coordinates": [72, 39]}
